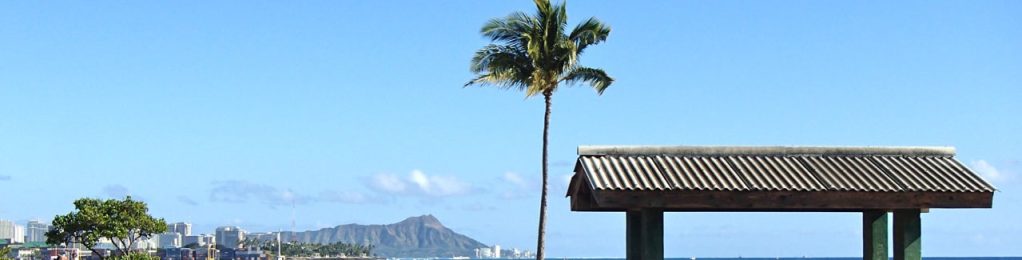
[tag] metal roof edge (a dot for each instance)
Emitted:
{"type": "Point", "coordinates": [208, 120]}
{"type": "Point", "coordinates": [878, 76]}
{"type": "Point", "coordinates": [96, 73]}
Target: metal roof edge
{"type": "Point", "coordinates": [764, 150]}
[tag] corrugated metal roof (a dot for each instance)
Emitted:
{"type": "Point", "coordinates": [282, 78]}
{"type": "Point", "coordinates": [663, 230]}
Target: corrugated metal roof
{"type": "Point", "coordinates": [931, 173]}
{"type": "Point", "coordinates": [850, 173]}
{"type": "Point", "coordinates": [790, 169]}
{"type": "Point", "coordinates": [783, 173]}
{"type": "Point", "coordinates": [700, 173]}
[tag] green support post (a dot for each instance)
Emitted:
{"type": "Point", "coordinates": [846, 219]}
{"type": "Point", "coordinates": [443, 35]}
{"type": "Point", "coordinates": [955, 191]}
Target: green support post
{"type": "Point", "coordinates": [633, 235]}
{"type": "Point", "coordinates": [653, 234]}
{"type": "Point", "coordinates": [644, 234]}
{"type": "Point", "coordinates": [874, 235]}
{"type": "Point", "coordinates": [907, 235]}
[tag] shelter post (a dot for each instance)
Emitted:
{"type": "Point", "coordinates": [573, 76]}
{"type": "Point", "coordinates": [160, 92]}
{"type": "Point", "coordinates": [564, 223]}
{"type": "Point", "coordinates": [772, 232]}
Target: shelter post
{"type": "Point", "coordinates": [874, 235]}
{"type": "Point", "coordinates": [907, 235]}
{"type": "Point", "coordinates": [644, 230]}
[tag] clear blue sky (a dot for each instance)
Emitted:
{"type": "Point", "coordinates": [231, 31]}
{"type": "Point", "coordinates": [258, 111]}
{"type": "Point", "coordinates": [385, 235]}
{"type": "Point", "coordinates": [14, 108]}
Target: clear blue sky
{"type": "Point", "coordinates": [222, 113]}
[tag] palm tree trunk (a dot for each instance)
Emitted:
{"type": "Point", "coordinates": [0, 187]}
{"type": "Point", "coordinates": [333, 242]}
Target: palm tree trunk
{"type": "Point", "coordinates": [542, 199]}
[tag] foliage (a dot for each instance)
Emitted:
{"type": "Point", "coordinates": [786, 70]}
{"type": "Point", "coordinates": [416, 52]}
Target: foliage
{"type": "Point", "coordinates": [134, 256]}
{"type": "Point", "coordinates": [294, 249]}
{"type": "Point", "coordinates": [4, 253]}
{"type": "Point", "coordinates": [535, 54]}
{"type": "Point", "coordinates": [123, 222]}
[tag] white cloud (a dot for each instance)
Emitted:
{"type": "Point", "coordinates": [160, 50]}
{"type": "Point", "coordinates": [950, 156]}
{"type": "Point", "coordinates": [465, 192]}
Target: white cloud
{"type": "Point", "coordinates": [388, 183]}
{"type": "Point", "coordinates": [447, 186]}
{"type": "Point", "coordinates": [420, 184]}
{"type": "Point", "coordinates": [515, 179]}
{"type": "Point", "coordinates": [420, 180]}
{"type": "Point", "coordinates": [517, 186]}
{"type": "Point", "coordinates": [238, 191]}
{"type": "Point", "coordinates": [988, 171]}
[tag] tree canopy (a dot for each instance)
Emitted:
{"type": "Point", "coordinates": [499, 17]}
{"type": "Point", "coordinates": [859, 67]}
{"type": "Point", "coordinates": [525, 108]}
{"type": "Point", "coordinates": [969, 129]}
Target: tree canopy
{"type": "Point", "coordinates": [295, 249]}
{"type": "Point", "coordinates": [535, 53]}
{"type": "Point", "coordinates": [122, 222]}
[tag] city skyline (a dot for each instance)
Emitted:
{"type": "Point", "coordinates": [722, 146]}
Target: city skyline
{"type": "Point", "coordinates": [260, 115]}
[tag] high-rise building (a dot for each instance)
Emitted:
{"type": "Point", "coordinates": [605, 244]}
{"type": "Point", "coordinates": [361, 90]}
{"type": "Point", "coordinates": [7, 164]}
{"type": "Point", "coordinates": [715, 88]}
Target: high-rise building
{"type": "Point", "coordinates": [35, 231]}
{"type": "Point", "coordinates": [496, 251]}
{"type": "Point", "coordinates": [229, 236]}
{"type": "Point", "coordinates": [169, 240]}
{"type": "Point", "coordinates": [200, 240]}
{"type": "Point", "coordinates": [183, 228]}
{"type": "Point", "coordinates": [196, 239]}
{"type": "Point", "coordinates": [13, 232]}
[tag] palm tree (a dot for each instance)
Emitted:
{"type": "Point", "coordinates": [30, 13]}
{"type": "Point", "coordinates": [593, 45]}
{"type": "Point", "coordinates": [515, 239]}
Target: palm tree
{"type": "Point", "coordinates": [535, 54]}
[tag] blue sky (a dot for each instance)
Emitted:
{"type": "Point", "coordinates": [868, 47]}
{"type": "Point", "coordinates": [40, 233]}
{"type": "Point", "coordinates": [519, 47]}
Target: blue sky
{"type": "Point", "coordinates": [223, 113]}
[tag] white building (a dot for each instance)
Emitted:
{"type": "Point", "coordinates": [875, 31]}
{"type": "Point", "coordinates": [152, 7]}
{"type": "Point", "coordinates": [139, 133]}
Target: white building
{"type": "Point", "coordinates": [496, 251]}
{"type": "Point", "coordinates": [484, 252]}
{"type": "Point", "coordinates": [13, 232]}
{"type": "Point", "coordinates": [183, 228]}
{"type": "Point", "coordinates": [200, 240]}
{"type": "Point", "coordinates": [169, 240]}
{"type": "Point", "coordinates": [230, 236]}
{"type": "Point", "coordinates": [35, 231]}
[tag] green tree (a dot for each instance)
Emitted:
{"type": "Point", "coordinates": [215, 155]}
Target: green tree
{"type": "Point", "coordinates": [535, 54]}
{"type": "Point", "coordinates": [4, 253]}
{"type": "Point", "coordinates": [123, 222]}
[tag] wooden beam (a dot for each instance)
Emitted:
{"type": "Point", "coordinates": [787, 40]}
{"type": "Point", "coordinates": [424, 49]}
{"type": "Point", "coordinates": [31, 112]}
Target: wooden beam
{"type": "Point", "coordinates": [874, 235]}
{"type": "Point", "coordinates": [838, 201]}
{"type": "Point", "coordinates": [907, 235]}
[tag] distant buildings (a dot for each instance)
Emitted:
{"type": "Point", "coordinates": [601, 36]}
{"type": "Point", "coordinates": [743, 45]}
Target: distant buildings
{"type": "Point", "coordinates": [11, 232]}
{"type": "Point", "coordinates": [200, 240]}
{"type": "Point", "coordinates": [496, 252]}
{"type": "Point", "coordinates": [35, 231]}
{"type": "Point", "coordinates": [229, 236]}
{"type": "Point", "coordinates": [262, 237]}
{"type": "Point", "coordinates": [169, 240]}
{"type": "Point", "coordinates": [484, 252]}
{"type": "Point", "coordinates": [175, 235]}
{"type": "Point", "coordinates": [183, 228]}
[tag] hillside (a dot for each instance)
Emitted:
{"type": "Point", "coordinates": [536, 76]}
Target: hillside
{"type": "Point", "coordinates": [422, 236]}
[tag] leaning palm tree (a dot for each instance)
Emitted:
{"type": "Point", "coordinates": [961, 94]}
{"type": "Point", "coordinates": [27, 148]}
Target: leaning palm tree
{"type": "Point", "coordinates": [535, 54]}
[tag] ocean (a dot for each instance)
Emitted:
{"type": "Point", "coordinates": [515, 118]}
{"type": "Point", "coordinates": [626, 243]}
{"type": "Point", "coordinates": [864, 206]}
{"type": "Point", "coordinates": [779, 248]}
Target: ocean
{"type": "Point", "coordinates": [760, 258]}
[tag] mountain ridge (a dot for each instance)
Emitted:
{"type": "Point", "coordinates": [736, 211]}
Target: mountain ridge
{"type": "Point", "coordinates": [419, 236]}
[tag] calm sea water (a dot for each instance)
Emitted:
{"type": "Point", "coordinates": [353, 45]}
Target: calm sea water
{"type": "Point", "coordinates": [803, 258]}
{"type": "Point", "coordinates": [786, 258]}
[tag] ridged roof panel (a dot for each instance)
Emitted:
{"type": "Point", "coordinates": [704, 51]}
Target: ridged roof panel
{"type": "Point", "coordinates": [775, 173]}
{"type": "Point", "coordinates": [932, 173]}
{"type": "Point", "coordinates": [919, 169]}
{"type": "Point", "coordinates": [850, 173]}
{"type": "Point", "coordinates": [700, 173]}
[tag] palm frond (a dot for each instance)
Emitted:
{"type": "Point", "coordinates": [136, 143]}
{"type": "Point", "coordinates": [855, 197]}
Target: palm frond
{"type": "Point", "coordinates": [589, 32]}
{"type": "Point", "coordinates": [506, 79]}
{"type": "Point", "coordinates": [534, 53]}
{"type": "Point", "coordinates": [498, 57]}
{"type": "Point", "coordinates": [504, 66]}
{"type": "Point", "coordinates": [509, 29]}
{"type": "Point", "coordinates": [596, 78]}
